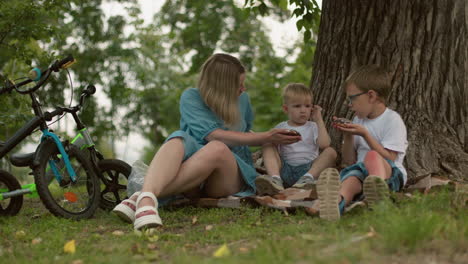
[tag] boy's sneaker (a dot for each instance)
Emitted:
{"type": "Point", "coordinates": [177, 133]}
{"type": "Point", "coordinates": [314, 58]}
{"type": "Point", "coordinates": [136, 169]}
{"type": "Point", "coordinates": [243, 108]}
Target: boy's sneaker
{"type": "Point", "coordinates": [305, 182]}
{"type": "Point", "coordinates": [328, 190]}
{"type": "Point", "coordinates": [268, 185]}
{"type": "Point", "coordinates": [375, 190]}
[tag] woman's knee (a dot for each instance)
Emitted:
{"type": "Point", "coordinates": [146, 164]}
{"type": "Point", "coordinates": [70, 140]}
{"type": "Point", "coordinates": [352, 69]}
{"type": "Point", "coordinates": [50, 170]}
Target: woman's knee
{"type": "Point", "coordinates": [217, 150]}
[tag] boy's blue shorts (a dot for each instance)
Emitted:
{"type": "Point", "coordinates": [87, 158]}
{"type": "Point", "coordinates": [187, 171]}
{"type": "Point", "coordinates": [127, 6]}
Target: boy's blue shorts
{"type": "Point", "coordinates": [395, 182]}
{"type": "Point", "coordinates": [290, 174]}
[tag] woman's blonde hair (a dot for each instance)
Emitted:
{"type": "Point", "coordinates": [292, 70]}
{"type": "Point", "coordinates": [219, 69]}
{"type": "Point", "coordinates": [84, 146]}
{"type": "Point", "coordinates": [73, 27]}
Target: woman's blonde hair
{"type": "Point", "coordinates": [219, 86]}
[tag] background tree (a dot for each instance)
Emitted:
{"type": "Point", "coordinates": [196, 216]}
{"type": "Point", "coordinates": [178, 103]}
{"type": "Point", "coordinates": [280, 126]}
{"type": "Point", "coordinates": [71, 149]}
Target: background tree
{"type": "Point", "coordinates": [424, 46]}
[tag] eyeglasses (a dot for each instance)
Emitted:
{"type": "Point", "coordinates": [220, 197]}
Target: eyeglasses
{"type": "Point", "coordinates": [351, 98]}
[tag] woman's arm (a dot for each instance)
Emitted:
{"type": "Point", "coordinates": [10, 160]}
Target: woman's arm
{"type": "Point", "coordinates": [235, 138]}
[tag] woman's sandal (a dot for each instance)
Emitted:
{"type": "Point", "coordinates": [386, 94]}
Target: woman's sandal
{"type": "Point", "coordinates": [147, 216]}
{"type": "Point", "coordinates": [125, 210]}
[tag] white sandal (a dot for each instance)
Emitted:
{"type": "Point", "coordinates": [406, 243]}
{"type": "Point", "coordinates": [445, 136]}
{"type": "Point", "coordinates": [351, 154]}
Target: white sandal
{"type": "Point", "coordinates": [125, 210]}
{"type": "Point", "coordinates": [147, 216]}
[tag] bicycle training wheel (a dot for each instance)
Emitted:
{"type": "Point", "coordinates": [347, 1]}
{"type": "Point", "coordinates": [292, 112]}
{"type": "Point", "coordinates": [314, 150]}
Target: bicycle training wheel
{"type": "Point", "coordinates": [61, 195]}
{"type": "Point", "coordinates": [114, 176]}
{"type": "Point", "coordinates": [9, 206]}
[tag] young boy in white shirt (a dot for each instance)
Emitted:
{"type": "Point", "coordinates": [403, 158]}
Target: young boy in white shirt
{"type": "Point", "coordinates": [297, 165]}
{"type": "Point", "coordinates": [375, 142]}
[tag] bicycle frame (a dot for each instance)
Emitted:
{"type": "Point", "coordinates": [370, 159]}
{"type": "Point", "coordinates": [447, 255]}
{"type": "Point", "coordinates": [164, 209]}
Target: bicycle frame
{"type": "Point", "coordinates": [27, 129]}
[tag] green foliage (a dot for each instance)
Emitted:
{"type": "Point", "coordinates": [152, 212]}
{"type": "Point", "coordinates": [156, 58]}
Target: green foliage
{"type": "Point", "coordinates": [141, 69]}
{"type": "Point", "coordinates": [306, 12]}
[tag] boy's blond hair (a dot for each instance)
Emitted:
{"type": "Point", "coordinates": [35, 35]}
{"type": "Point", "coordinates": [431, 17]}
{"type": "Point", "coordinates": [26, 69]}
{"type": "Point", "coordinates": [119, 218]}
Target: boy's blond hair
{"type": "Point", "coordinates": [294, 90]}
{"type": "Point", "coordinates": [219, 85]}
{"type": "Point", "coordinates": [371, 77]}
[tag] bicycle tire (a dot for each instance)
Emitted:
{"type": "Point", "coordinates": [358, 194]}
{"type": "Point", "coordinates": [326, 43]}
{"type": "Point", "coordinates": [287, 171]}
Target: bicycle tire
{"type": "Point", "coordinates": [10, 183]}
{"type": "Point", "coordinates": [78, 200]}
{"type": "Point", "coordinates": [114, 176]}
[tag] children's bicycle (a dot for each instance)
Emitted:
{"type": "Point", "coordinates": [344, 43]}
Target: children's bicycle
{"type": "Point", "coordinates": [67, 178]}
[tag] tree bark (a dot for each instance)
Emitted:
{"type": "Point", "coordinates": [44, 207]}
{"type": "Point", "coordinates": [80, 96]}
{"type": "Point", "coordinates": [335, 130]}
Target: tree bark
{"type": "Point", "coordinates": [423, 44]}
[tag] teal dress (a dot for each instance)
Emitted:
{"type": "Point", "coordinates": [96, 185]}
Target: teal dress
{"type": "Point", "coordinates": [197, 121]}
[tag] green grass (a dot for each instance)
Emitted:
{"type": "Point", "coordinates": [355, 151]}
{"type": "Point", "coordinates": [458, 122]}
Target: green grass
{"type": "Point", "coordinates": [422, 229]}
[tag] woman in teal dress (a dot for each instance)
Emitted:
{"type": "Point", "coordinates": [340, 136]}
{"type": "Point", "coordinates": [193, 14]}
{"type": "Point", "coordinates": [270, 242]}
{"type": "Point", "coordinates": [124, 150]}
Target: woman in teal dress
{"type": "Point", "coordinates": [209, 155]}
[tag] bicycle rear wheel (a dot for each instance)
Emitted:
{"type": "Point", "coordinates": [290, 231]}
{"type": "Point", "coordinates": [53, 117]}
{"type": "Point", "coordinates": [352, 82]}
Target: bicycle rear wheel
{"type": "Point", "coordinates": [114, 176]}
{"type": "Point", "coordinates": [9, 206]}
{"type": "Point", "coordinates": [63, 197]}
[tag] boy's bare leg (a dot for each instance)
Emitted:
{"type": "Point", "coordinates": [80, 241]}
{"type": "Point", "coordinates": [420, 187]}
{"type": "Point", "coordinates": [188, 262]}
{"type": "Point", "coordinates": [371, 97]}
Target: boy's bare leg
{"type": "Point", "coordinates": [271, 159]}
{"type": "Point", "coordinates": [377, 165]}
{"type": "Point", "coordinates": [326, 159]}
{"type": "Point", "coordinates": [350, 187]}
{"type": "Point", "coordinates": [375, 187]}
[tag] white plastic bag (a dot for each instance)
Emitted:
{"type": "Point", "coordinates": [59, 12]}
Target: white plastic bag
{"type": "Point", "coordinates": [136, 178]}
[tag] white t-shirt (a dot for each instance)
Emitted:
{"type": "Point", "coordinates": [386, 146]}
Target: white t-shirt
{"type": "Point", "coordinates": [389, 130]}
{"type": "Point", "coordinates": [303, 151]}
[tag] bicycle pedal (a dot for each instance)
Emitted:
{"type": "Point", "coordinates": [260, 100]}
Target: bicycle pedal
{"type": "Point", "coordinates": [64, 183]}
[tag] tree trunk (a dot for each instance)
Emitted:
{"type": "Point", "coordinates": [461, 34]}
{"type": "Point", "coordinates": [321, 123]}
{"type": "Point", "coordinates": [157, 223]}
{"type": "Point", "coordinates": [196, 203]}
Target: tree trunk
{"type": "Point", "coordinates": [423, 43]}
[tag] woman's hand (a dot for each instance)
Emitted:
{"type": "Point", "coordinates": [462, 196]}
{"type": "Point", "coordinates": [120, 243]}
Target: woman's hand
{"type": "Point", "coordinates": [280, 136]}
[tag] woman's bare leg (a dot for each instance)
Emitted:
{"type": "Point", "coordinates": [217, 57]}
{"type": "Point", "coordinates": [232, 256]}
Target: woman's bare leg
{"type": "Point", "coordinates": [215, 163]}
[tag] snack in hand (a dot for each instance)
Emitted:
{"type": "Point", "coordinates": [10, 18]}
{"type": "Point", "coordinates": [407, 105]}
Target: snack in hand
{"type": "Point", "coordinates": [293, 132]}
{"type": "Point", "coordinates": [342, 120]}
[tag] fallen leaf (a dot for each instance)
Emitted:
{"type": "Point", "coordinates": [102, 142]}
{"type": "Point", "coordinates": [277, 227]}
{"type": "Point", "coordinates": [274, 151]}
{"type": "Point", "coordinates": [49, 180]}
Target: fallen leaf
{"type": "Point", "coordinates": [118, 233]}
{"type": "Point", "coordinates": [36, 241]}
{"type": "Point", "coordinates": [153, 238]}
{"type": "Point", "coordinates": [152, 246]}
{"type": "Point", "coordinates": [222, 251]}
{"type": "Point", "coordinates": [36, 216]}
{"type": "Point", "coordinates": [208, 227]}
{"type": "Point", "coordinates": [20, 234]}
{"type": "Point", "coordinates": [194, 220]}
{"type": "Point", "coordinates": [69, 247]}
{"type": "Point", "coordinates": [243, 249]}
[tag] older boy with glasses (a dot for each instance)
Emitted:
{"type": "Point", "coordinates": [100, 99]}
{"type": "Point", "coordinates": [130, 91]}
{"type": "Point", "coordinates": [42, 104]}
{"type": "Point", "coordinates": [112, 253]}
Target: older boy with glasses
{"type": "Point", "coordinates": [374, 142]}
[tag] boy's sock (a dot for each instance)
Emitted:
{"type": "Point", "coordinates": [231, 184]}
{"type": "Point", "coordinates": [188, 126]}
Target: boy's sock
{"type": "Point", "coordinates": [342, 205]}
{"type": "Point", "coordinates": [276, 176]}
{"type": "Point", "coordinates": [309, 175]}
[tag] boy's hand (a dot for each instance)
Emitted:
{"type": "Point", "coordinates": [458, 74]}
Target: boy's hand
{"type": "Point", "coordinates": [351, 128]}
{"type": "Point", "coordinates": [316, 113]}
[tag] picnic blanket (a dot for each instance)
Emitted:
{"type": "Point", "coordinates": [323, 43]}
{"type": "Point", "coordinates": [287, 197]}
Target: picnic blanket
{"type": "Point", "coordinates": [293, 199]}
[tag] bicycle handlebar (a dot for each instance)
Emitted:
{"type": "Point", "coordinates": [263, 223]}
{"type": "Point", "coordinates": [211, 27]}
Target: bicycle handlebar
{"type": "Point", "coordinates": [63, 63]}
{"type": "Point", "coordinates": [90, 90]}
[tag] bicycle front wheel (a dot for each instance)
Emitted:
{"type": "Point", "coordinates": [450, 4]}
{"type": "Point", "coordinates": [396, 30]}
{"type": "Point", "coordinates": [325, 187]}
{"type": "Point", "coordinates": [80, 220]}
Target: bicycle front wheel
{"type": "Point", "coordinates": [9, 206]}
{"type": "Point", "coordinates": [114, 176]}
{"type": "Point", "coordinates": [61, 195]}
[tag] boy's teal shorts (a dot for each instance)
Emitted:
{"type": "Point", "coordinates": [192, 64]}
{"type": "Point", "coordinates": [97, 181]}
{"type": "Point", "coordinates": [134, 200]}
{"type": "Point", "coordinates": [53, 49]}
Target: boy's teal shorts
{"type": "Point", "coordinates": [395, 182]}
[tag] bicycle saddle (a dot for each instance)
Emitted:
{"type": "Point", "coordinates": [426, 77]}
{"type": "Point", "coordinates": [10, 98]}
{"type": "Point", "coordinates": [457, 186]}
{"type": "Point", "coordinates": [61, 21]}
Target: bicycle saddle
{"type": "Point", "coordinates": [22, 160]}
